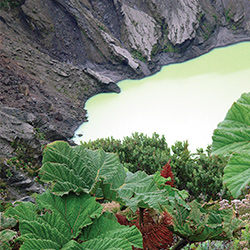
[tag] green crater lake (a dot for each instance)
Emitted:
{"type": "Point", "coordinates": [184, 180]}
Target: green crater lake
{"type": "Point", "coordinates": [183, 101]}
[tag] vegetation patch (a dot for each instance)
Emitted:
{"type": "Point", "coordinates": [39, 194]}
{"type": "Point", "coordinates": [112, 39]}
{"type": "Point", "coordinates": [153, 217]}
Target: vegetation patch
{"type": "Point", "coordinates": [68, 215]}
{"type": "Point", "coordinates": [10, 4]}
{"type": "Point", "coordinates": [199, 173]}
{"type": "Point", "coordinates": [138, 55]}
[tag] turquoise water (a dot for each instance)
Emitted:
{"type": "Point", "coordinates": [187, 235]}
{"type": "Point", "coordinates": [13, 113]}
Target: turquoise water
{"type": "Point", "coordinates": [183, 101]}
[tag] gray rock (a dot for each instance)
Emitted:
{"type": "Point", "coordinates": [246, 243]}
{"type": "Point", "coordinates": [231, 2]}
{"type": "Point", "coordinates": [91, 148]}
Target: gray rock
{"type": "Point", "coordinates": [18, 183]}
{"type": "Point", "coordinates": [98, 76]}
{"type": "Point", "coordinates": [141, 31]}
{"type": "Point", "coordinates": [12, 128]}
{"type": "Point", "coordinates": [58, 116]}
{"type": "Point", "coordinates": [19, 114]}
{"type": "Point", "coordinates": [120, 52]}
{"type": "Point", "coordinates": [17, 131]}
{"type": "Point", "coordinates": [182, 18]}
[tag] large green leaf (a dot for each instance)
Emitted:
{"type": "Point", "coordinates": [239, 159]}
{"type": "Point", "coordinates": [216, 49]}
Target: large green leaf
{"type": "Point", "coordinates": [73, 211]}
{"type": "Point", "coordinates": [63, 219]}
{"type": "Point", "coordinates": [107, 243]}
{"type": "Point", "coordinates": [138, 190]}
{"type": "Point", "coordinates": [233, 136]}
{"type": "Point", "coordinates": [6, 237]}
{"type": "Point", "coordinates": [237, 173]}
{"type": "Point", "coordinates": [107, 227]}
{"type": "Point", "coordinates": [78, 169]}
{"type": "Point", "coordinates": [56, 222]}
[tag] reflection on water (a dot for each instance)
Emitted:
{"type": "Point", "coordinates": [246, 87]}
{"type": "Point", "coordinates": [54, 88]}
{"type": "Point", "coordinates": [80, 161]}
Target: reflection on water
{"type": "Point", "coordinates": [183, 101]}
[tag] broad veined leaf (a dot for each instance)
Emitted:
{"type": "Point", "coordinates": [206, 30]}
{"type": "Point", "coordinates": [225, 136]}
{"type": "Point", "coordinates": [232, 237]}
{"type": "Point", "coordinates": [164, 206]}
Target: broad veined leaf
{"type": "Point", "coordinates": [233, 134]}
{"type": "Point", "coordinates": [160, 180]}
{"type": "Point", "coordinates": [36, 244]}
{"type": "Point", "coordinates": [61, 219]}
{"type": "Point", "coordinates": [106, 226]}
{"type": "Point", "coordinates": [237, 173]}
{"type": "Point", "coordinates": [78, 169]}
{"type": "Point", "coordinates": [72, 245]}
{"type": "Point", "coordinates": [33, 230]}
{"type": "Point", "coordinates": [24, 211]}
{"type": "Point", "coordinates": [98, 244]}
{"type": "Point", "coordinates": [56, 222]}
{"type": "Point", "coordinates": [75, 211]}
{"type": "Point", "coordinates": [7, 235]}
{"type": "Point", "coordinates": [48, 245]}
{"type": "Point", "coordinates": [107, 243]}
{"type": "Point", "coordinates": [138, 190]}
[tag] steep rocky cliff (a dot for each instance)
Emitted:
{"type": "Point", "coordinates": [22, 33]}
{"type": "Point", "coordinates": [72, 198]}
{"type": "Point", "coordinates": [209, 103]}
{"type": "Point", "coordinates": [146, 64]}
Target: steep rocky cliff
{"type": "Point", "coordinates": [56, 54]}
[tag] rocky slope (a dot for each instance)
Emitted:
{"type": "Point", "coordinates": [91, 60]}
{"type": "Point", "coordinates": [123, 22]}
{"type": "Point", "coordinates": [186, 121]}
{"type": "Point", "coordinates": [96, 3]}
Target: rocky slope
{"type": "Point", "coordinates": [56, 54]}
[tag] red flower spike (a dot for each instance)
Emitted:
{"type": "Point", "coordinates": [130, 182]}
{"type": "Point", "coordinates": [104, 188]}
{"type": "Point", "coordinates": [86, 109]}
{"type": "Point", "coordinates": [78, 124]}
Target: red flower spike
{"type": "Point", "coordinates": [167, 172]}
{"type": "Point", "coordinates": [155, 235]}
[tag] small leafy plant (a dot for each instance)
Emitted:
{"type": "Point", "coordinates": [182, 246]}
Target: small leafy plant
{"type": "Point", "coordinates": [199, 173]}
{"type": "Point", "coordinates": [7, 235]}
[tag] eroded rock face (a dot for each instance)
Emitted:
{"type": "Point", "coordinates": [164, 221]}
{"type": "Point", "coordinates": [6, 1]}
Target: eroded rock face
{"type": "Point", "coordinates": [141, 31]}
{"type": "Point", "coordinates": [56, 54]}
{"type": "Point", "coordinates": [182, 18]}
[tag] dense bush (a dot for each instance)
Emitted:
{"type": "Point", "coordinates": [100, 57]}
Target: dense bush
{"type": "Point", "coordinates": [200, 173]}
{"type": "Point", "coordinates": [138, 152]}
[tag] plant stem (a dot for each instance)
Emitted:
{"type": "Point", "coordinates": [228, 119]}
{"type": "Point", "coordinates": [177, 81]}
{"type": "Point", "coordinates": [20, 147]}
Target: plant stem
{"type": "Point", "coordinates": [141, 215]}
{"type": "Point", "coordinates": [180, 244]}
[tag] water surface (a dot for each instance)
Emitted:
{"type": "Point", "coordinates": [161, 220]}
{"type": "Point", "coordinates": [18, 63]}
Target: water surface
{"type": "Point", "coordinates": [183, 101]}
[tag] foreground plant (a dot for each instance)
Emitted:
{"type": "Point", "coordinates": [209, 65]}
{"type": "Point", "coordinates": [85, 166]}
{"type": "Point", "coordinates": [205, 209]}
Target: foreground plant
{"type": "Point", "coordinates": [70, 222]}
{"type": "Point", "coordinates": [69, 217]}
{"type": "Point", "coordinates": [232, 137]}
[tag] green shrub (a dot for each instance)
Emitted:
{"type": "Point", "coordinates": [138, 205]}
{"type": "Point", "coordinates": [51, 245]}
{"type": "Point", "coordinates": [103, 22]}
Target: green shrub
{"type": "Point", "coordinates": [138, 152]}
{"type": "Point", "coordinates": [200, 173]}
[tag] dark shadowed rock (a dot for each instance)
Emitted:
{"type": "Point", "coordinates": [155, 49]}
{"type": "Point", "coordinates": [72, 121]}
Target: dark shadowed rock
{"type": "Point", "coordinates": [58, 116]}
